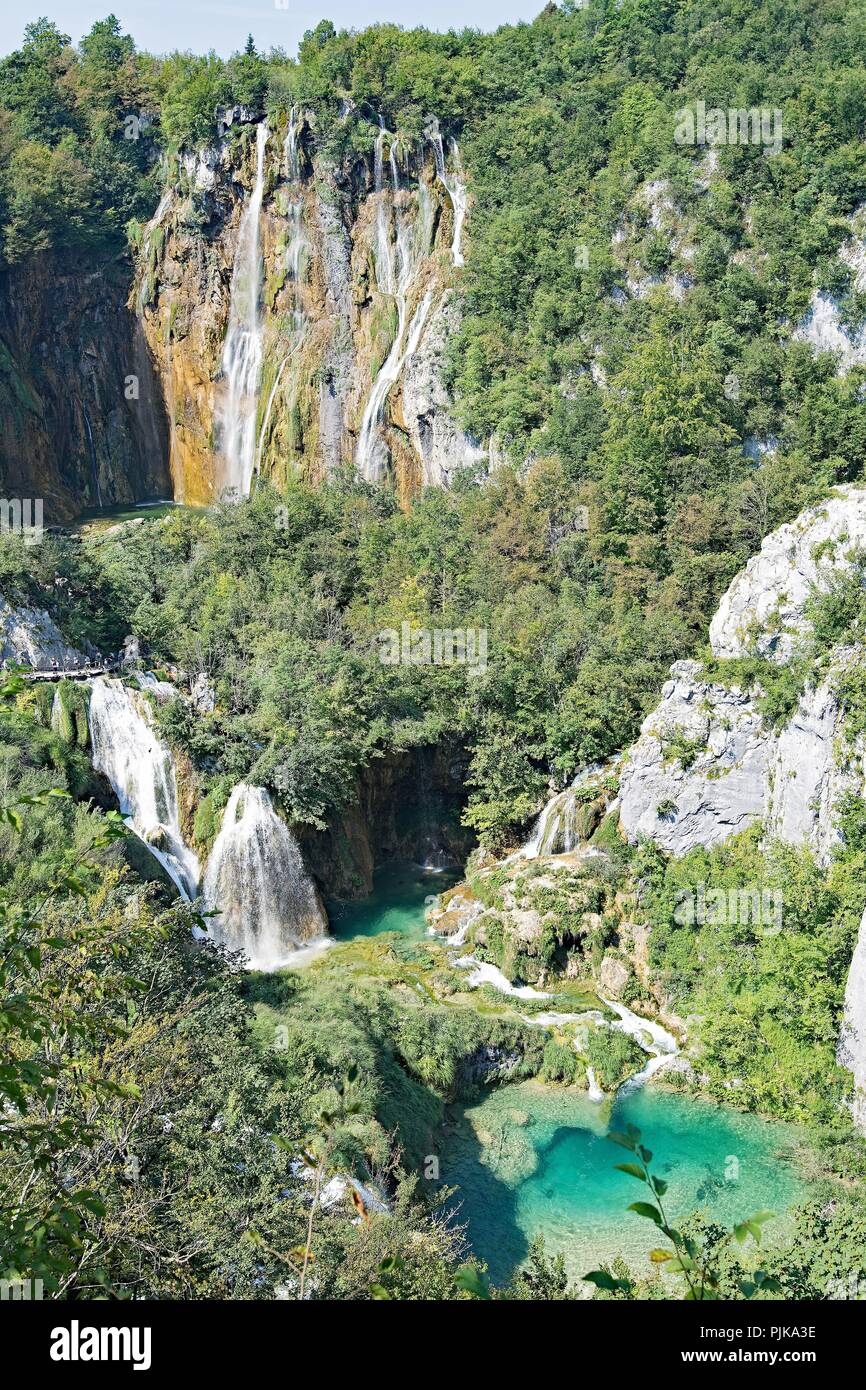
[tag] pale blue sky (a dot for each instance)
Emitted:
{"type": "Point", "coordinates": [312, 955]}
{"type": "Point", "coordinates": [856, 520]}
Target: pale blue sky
{"type": "Point", "coordinates": [160, 25]}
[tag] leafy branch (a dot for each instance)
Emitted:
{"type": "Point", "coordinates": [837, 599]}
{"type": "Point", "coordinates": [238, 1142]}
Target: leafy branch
{"type": "Point", "coordinates": [687, 1258]}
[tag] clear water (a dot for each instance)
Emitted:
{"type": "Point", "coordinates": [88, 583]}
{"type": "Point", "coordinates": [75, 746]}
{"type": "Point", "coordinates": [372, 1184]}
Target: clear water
{"type": "Point", "coordinates": [125, 511]}
{"type": "Point", "coordinates": [401, 894]}
{"type": "Point", "coordinates": [531, 1160]}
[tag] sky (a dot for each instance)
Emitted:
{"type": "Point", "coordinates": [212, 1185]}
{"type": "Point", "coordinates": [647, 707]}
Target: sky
{"type": "Point", "coordinates": [161, 25]}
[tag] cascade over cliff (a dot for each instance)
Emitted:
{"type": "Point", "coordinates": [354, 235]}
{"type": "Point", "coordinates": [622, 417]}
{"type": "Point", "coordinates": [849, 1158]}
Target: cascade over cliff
{"type": "Point", "coordinates": [297, 311]}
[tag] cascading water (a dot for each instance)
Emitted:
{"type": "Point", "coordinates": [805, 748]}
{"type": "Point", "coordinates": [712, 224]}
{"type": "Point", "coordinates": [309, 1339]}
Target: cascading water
{"type": "Point", "coordinates": [256, 882]}
{"type": "Point", "coordinates": [454, 187]}
{"type": "Point", "coordinates": [395, 275]}
{"type": "Point", "coordinates": [296, 250]}
{"type": "Point", "coordinates": [662, 1045]}
{"type": "Point", "coordinates": [242, 351]}
{"type": "Point", "coordinates": [563, 825]}
{"type": "Point", "coordinates": [141, 771]}
{"type": "Point", "coordinates": [555, 831]}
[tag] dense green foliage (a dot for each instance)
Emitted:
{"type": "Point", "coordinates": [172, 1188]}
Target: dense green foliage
{"type": "Point", "coordinates": [158, 1100]}
{"type": "Point", "coordinates": [754, 945]}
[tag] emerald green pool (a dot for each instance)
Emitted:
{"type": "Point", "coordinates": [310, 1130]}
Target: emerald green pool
{"type": "Point", "coordinates": [401, 894]}
{"type": "Point", "coordinates": [531, 1160]}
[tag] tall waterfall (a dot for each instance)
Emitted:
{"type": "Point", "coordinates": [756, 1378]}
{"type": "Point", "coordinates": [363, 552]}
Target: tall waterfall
{"type": "Point", "coordinates": [242, 351]}
{"type": "Point", "coordinates": [395, 275]}
{"type": "Point", "coordinates": [141, 770]}
{"type": "Point", "coordinates": [256, 881]}
{"type": "Point", "coordinates": [454, 187]}
{"type": "Point", "coordinates": [851, 1052]}
{"type": "Point", "coordinates": [297, 248]}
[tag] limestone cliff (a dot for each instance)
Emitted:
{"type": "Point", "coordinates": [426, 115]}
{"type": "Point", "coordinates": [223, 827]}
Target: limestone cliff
{"type": "Point", "coordinates": [357, 266]}
{"type": "Point", "coordinates": [82, 421]}
{"type": "Point", "coordinates": [708, 762]}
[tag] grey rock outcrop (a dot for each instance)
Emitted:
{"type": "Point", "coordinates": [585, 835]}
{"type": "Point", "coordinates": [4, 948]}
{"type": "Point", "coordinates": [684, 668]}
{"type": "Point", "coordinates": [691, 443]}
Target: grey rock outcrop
{"type": "Point", "coordinates": [30, 637]}
{"type": "Point", "coordinates": [439, 442]}
{"type": "Point", "coordinates": [708, 764]}
{"type": "Point", "coordinates": [763, 610]}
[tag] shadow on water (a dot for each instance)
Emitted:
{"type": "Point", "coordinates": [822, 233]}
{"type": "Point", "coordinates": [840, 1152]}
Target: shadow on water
{"type": "Point", "coordinates": [483, 1203]}
{"type": "Point", "coordinates": [534, 1160]}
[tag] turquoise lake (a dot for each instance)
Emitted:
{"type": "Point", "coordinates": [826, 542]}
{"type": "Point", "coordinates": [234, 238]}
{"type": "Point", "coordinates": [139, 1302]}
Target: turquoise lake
{"type": "Point", "coordinates": [401, 894]}
{"type": "Point", "coordinates": [531, 1160]}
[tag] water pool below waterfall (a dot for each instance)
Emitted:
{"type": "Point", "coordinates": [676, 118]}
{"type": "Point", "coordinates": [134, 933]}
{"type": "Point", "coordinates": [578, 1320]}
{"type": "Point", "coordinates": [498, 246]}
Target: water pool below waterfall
{"type": "Point", "coordinates": [533, 1160]}
{"type": "Point", "coordinates": [398, 902]}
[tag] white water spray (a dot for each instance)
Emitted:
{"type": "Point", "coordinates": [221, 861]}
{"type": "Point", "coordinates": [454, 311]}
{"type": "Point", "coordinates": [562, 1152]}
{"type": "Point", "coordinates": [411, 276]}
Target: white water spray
{"type": "Point", "coordinates": [256, 881]}
{"type": "Point", "coordinates": [454, 187]}
{"type": "Point", "coordinates": [242, 351]}
{"type": "Point", "coordinates": [296, 251]}
{"type": "Point", "coordinates": [141, 770]}
{"type": "Point", "coordinates": [396, 272]}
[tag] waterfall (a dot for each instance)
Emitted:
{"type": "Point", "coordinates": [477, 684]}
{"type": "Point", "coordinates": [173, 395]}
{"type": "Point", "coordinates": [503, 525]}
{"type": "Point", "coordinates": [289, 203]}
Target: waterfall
{"type": "Point", "coordinates": [851, 1052]}
{"type": "Point", "coordinates": [372, 454]}
{"type": "Point", "coordinates": [395, 276]}
{"type": "Point", "coordinates": [594, 1091]}
{"type": "Point", "coordinates": [141, 771]}
{"type": "Point", "coordinates": [290, 149]}
{"type": "Point", "coordinates": [256, 882]}
{"type": "Point", "coordinates": [242, 351]}
{"type": "Point", "coordinates": [555, 831]}
{"type": "Point", "coordinates": [94, 466]}
{"type": "Point", "coordinates": [662, 1046]}
{"type": "Point", "coordinates": [454, 187]}
{"type": "Point", "coordinates": [296, 249]}
{"type": "Point", "coordinates": [483, 973]}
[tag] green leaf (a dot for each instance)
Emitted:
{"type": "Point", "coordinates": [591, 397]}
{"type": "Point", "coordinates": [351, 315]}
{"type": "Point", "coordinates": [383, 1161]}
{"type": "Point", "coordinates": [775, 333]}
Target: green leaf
{"type": "Point", "coordinates": [470, 1279]}
{"type": "Point", "coordinates": [651, 1213]}
{"type": "Point", "coordinates": [603, 1280]}
{"type": "Point", "coordinates": [625, 1141]}
{"type": "Point", "coordinates": [379, 1293]}
{"type": "Point", "coordinates": [632, 1169]}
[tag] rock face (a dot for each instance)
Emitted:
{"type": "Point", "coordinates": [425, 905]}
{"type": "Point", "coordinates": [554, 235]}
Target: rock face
{"type": "Point", "coordinates": [404, 807]}
{"type": "Point", "coordinates": [763, 611]}
{"type": "Point", "coordinates": [823, 327]}
{"type": "Point", "coordinates": [82, 417]}
{"type": "Point", "coordinates": [350, 255]}
{"type": "Point", "coordinates": [707, 765]}
{"type": "Point", "coordinates": [851, 1052]}
{"type": "Point", "coordinates": [30, 637]}
{"type": "Point", "coordinates": [425, 406]}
